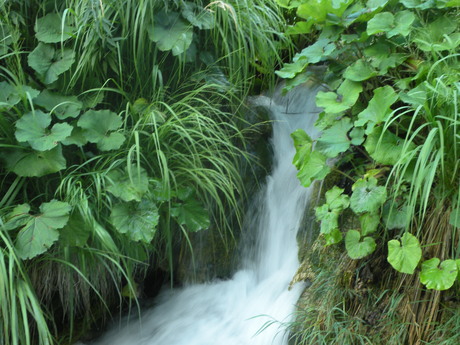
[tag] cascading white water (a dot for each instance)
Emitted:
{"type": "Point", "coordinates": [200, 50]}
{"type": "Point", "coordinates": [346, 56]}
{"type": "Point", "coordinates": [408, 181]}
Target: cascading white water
{"type": "Point", "coordinates": [234, 312]}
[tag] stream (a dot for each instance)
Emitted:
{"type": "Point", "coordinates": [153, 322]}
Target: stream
{"type": "Point", "coordinates": [252, 306]}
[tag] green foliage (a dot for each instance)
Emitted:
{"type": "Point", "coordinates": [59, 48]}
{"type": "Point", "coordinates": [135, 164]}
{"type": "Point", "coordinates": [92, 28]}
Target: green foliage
{"type": "Point", "coordinates": [99, 127]}
{"type": "Point", "coordinates": [138, 220]}
{"type": "Point", "coordinates": [356, 248]}
{"type": "Point", "coordinates": [37, 233]}
{"type": "Point", "coordinates": [390, 119]}
{"type": "Point", "coordinates": [438, 276]}
{"type": "Point", "coordinates": [404, 256]}
{"type": "Point", "coordinates": [170, 32]}
{"type": "Point", "coordinates": [50, 63]}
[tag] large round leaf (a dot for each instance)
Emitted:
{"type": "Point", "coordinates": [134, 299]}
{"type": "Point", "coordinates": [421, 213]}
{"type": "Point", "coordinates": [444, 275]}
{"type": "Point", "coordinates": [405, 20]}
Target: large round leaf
{"type": "Point", "coordinates": [367, 196]}
{"type": "Point", "coordinates": [50, 63]}
{"type": "Point", "coordinates": [171, 33]}
{"type": "Point", "coordinates": [33, 128]}
{"type": "Point", "coordinates": [356, 248]}
{"type": "Point", "coordinates": [438, 278]}
{"type": "Point", "coordinates": [138, 220]}
{"type": "Point", "coordinates": [30, 163]}
{"type": "Point", "coordinates": [404, 256]}
{"type": "Point", "coordinates": [98, 126]}
{"type": "Point", "coordinates": [52, 29]}
{"type": "Point", "coordinates": [40, 232]}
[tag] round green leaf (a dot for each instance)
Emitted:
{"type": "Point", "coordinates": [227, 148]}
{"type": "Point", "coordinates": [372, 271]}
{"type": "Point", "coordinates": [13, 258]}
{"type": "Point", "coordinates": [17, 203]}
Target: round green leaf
{"type": "Point", "coordinates": [98, 126]}
{"type": "Point", "coordinates": [191, 214]}
{"type": "Point", "coordinates": [346, 96]}
{"type": "Point", "coordinates": [336, 200]}
{"type": "Point", "coordinates": [50, 63]}
{"type": "Point", "coordinates": [385, 147]}
{"type": "Point", "coordinates": [438, 278]}
{"type": "Point", "coordinates": [369, 222]}
{"type": "Point", "coordinates": [138, 220]}
{"type": "Point", "coordinates": [171, 33]}
{"type": "Point", "coordinates": [314, 167]}
{"type": "Point", "coordinates": [395, 215]}
{"type": "Point", "coordinates": [9, 96]}
{"type": "Point", "coordinates": [359, 71]}
{"type": "Point", "coordinates": [367, 196]}
{"type": "Point", "coordinates": [62, 106]}
{"type": "Point", "coordinates": [33, 128]}
{"type": "Point", "coordinates": [334, 140]}
{"type": "Point", "coordinates": [378, 109]}
{"type": "Point", "coordinates": [198, 16]}
{"type": "Point", "coordinates": [40, 232]}
{"type": "Point", "coordinates": [404, 256]}
{"type": "Point", "coordinates": [334, 237]}
{"type": "Point", "coordinates": [356, 248]}
{"type": "Point", "coordinates": [49, 29]}
{"type": "Point", "coordinates": [382, 22]}
{"type": "Point", "coordinates": [29, 163]}
{"type": "Point", "coordinates": [126, 185]}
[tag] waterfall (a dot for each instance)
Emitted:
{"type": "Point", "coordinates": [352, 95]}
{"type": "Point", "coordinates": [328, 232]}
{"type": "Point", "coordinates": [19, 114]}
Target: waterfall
{"type": "Point", "coordinates": [249, 308]}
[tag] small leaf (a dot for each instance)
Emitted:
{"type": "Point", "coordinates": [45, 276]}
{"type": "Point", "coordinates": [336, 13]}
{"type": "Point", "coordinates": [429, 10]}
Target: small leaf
{"type": "Point", "coordinates": [128, 186]}
{"type": "Point", "coordinates": [40, 232]}
{"type": "Point", "coordinates": [98, 126]}
{"type": "Point", "coordinates": [336, 199]}
{"type": "Point", "coordinates": [303, 145]}
{"type": "Point", "coordinates": [138, 220]}
{"type": "Point", "coordinates": [359, 71]}
{"type": "Point", "coordinates": [50, 63]}
{"type": "Point", "coordinates": [329, 219]}
{"type": "Point", "coordinates": [317, 51]}
{"type": "Point", "coordinates": [62, 106]}
{"type": "Point", "coordinates": [191, 214]}
{"type": "Point", "coordinates": [404, 256]}
{"type": "Point", "coordinates": [396, 215]}
{"type": "Point", "coordinates": [367, 196]}
{"type": "Point", "coordinates": [33, 128]}
{"type": "Point", "coordinates": [378, 109]}
{"type": "Point", "coordinates": [9, 96]}
{"type": "Point", "coordinates": [49, 29]}
{"type": "Point", "coordinates": [356, 248]}
{"type": "Point", "coordinates": [357, 135]}
{"type": "Point", "coordinates": [334, 140]}
{"type": "Point", "coordinates": [369, 222]}
{"type": "Point", "coordinates": [171, 33]}
{"type": "Point", "coordinates": [438, 278]}
{"type": "Point", "coordinates": [29, 163]}
{"type": "Point", "coordinates": [334, 237]}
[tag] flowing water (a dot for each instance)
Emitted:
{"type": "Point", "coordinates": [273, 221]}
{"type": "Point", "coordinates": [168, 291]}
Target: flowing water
{"type": "Point", "coordinates": [240, 311]}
